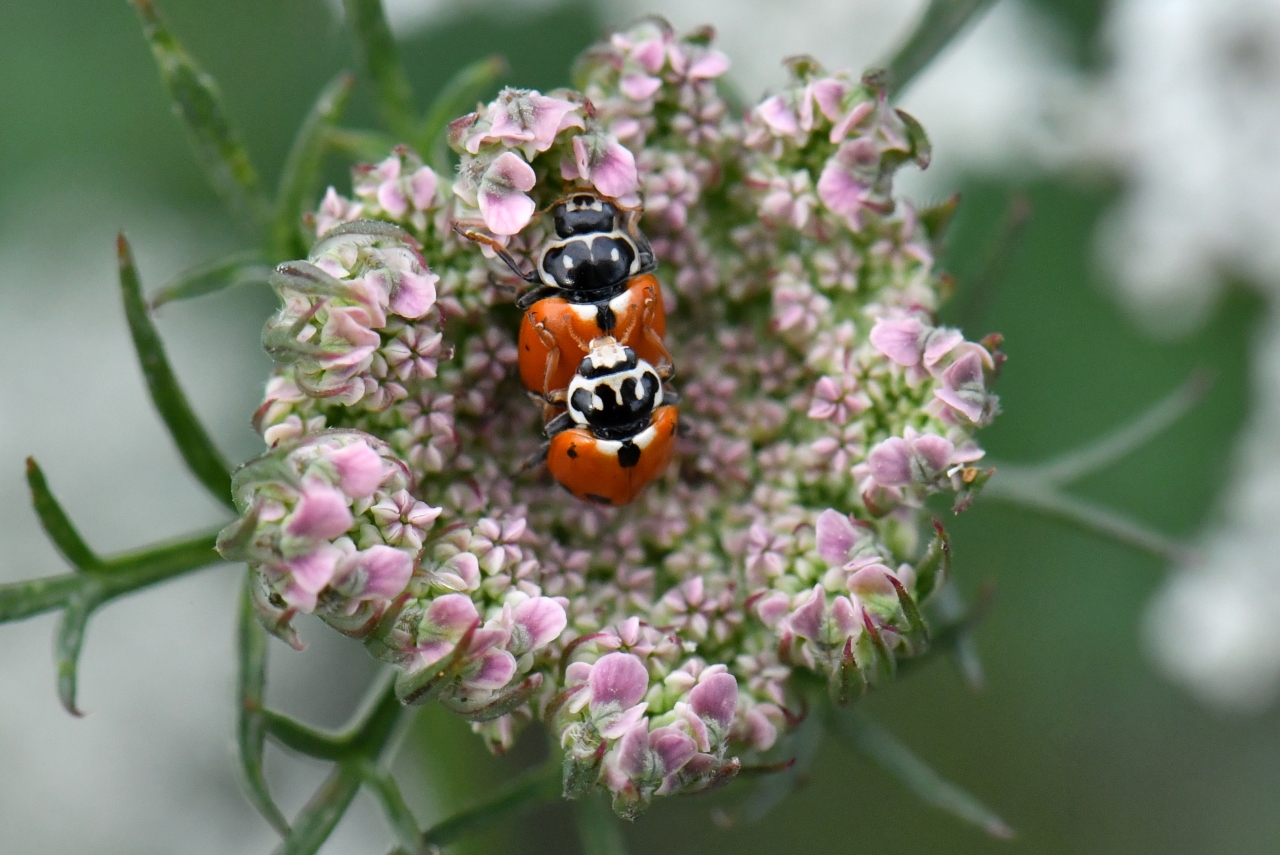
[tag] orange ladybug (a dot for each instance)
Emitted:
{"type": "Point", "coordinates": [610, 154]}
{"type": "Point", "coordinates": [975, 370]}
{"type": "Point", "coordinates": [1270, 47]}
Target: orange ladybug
{"type": "Point", "coordinates": [595, 279]}
{"type": "Point", "coordinates": [618, 431]}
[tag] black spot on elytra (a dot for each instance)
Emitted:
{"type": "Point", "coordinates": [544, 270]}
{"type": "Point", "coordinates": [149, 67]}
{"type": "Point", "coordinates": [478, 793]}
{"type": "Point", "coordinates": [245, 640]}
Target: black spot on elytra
{"type": "Point", "coordinates": [606, 320]}
{"type": "Point", "coordinates": [573, 452]}
{"type": "Point", "coordinates": [628, 455]}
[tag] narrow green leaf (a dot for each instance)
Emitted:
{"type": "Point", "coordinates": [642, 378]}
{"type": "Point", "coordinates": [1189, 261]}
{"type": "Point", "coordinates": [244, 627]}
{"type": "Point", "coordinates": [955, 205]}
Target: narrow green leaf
{"type": "Point", "coordinates": [387, 792]}
{"type": "Point", "coordinates": [24, 599]}
{"type": "Point", "coordinates": [296, 736]}
{"type": "Point", "coordinates": [1128, 438]}
{"type": "Point", "coordinates": [456, 98]}
{"type": "Point", "coordinates": [242, 268]}
{"type": "Point", "coordinates": [598, 827]}
{"type": "Point", "coordinates": [536, 785]}
{"type": "Point", "coordinates": [57, 525]}
{"type": "Point", "coordinates": [774, 789]}
{"type": "Point", "coordinates": [198, 103]}
{"type": "Point", "coordinates": [197, 449]}
{"type": "Point", "coordinates": [251, 728]}
{"type": "Point", "coordinates": [381, 58]}
{"type": "Point", "coordinates": [884, 749]}
{"type": "Point", "coordinates": [320, 815]}
{"type": "Point", "coordinates": [302, 167]}
{"type": "Point", "coordinates": [941, 22]}
{"type": "Point", "coordinates": [70, 639]}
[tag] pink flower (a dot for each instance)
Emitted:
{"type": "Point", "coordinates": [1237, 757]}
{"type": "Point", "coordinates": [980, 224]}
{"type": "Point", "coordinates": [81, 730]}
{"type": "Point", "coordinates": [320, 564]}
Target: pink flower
{"type": "Point", "coordinates": [322, 513]}
{"type": "Point", "coordinates": [336, 210]}
{"type": "Point", "coordinates": [910, 459]}
{"type": "Point", "coordinates": [647, 757]}
{"type": "Point", "coordinates": [716, 698]}
{"type": "Point", "coordinates": [838, 399]}
{"type": "Point", "coordinates": [829, 626]}
{"type": "Point", "coordinates": [535, 623]}
{"type": "Point", "coordinates": [503, 202]}
{"type": "Point", "coordinates": [837, 537]}
{"type": "Point", "coordinates": [378, 574]}
{"type": "Point", "coordinates": [791, 114]}
{"type": "Point", "coordinates": [307, 575]}
{"type": "Point", "coordinates": [910, 342]}
{"type": "Point", "coordinates": [608, 165]}
{"type": "Point", "coordinates": [853, 180]}
{"type": "Point", "coordinates": [525, 119]}
{"type": "Point", "coordinates": [964, 387]}
{"type": "Point", "coordinates": [360, 469]}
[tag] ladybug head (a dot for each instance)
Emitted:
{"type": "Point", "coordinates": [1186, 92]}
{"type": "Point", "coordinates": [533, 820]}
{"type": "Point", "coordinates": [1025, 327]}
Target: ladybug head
{"type": "Point", "coordinates": [584, 213]}
{"type": "Point", "coordinates": [614, 392]}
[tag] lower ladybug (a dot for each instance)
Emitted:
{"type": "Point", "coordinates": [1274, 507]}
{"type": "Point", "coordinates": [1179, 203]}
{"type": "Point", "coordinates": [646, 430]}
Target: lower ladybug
{"type": "Point", "coordinates": [618, 431]}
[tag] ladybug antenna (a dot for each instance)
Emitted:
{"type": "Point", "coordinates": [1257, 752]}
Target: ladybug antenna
{"type": "Point", "coordinates": [500, 251]}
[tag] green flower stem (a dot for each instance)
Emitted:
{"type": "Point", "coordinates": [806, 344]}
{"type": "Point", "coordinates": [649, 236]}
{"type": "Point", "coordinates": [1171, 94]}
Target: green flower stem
{"type": "Point", "coordinates": [885, 750]}
{"type": "Point", "coordinates": [251, 724]}
{"type": "Point", "coordinates": [598, 827]}
{"type": "Point", "coordinates": [322, 812]}
{"type": "Point", "coordinates": [1038, 487]}
{"type": "Point", "coordinates": [941, 22]}
{"type": "Point", "coordinates": [536, 785]}
{"type": "Point", "coordinates": [194, 443]}
{"type": "Point", "coordinates": [384, 787]}
{"type": "Point", "coordinates": [302, 168]}
{"type": "Point", "coordinates": [381, 57]}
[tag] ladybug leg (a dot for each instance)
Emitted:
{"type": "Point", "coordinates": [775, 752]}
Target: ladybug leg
{"type": "Point", "coordinates": [535, 460]}
{"type": "Point", "coordinates": [557, 425]}
{"type": "Point", "coordinates": [533, 295]}
{"type": "Point", "coordinates": [670, 397]}
{"type": "Point", "coordinates": [553, 355]}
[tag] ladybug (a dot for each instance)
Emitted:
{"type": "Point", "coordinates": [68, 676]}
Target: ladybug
{"type": "Point", "coordinates": [618, 430]}
{"type": "Point", "coordinates": [594, 279]}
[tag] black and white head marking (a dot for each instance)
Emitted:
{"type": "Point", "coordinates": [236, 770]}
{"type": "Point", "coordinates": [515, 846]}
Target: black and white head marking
{"type": "Point", "coordinates": [592, 256]}
{"type": "Point", "coordinates": [614, 392]}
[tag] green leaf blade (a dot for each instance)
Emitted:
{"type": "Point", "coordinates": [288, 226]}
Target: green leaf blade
{"type": "Point", "coordinates": [70, 640]}
{"type": "Point", "coordinates": [941, 22]}
{"type": "Point", "coordinates": [31, 597]}
{"type": "Point", "coordinates": [242, 268]}
{"type": "Point", "coordinates": [302, 167]}
{"type": "Point", "coordinates": [194, 444]}
{"type": "Point", "coordinates": [536, 785]}
{"type": "Point", "coordinates": [381, 58]}
{"type": "Point", "coordinates": [57, 525]}
{"type": "Point", "coordinates": [198, 103]}
{"type": "Point", "coordinates": [886, 751]}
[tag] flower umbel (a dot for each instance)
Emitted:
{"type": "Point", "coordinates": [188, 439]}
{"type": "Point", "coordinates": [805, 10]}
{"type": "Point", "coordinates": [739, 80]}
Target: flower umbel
{"type": "Point", "coordinates": [821, 402]}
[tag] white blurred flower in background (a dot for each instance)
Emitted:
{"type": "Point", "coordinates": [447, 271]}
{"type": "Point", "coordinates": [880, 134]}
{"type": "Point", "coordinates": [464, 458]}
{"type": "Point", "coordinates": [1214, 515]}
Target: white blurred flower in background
{"type": "Point", "coordinates": [1196, 87]}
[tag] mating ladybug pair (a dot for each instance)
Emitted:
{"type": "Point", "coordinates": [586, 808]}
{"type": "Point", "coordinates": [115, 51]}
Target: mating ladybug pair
{"type": "Point", "coordinates": [591, 347]}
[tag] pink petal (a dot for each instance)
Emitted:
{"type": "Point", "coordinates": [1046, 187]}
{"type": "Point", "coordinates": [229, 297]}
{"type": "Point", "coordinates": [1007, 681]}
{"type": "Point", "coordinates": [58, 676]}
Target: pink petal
{"type": "Point", "coordinates": [360, 469]}
{"type": "Point", "coordinates": [856, 115]}
{"type": "Point", "coordinates": [846, 617]}
{"type": "Point", "coordinates": [452, 614]}
{"type": "Point", "coordinates": [618, 678]}
{"type": "Point", "coordinates": [899, 340]}
{"type": "Point", "coordinates": [836, 537]}
{"type": "Point", "coordinates": [392, 199]}
{"type": "Point", "coordinates": [322, 513]}
{"type": "Point", "coordinates": [939, 343]}
{"type": "Point", "coordinates": [497, 667]}
{"type": "Point", "coordinates": [711, 64]}
{"type": "Point", "coordinates": [308, 576]}
{"type": "Point", "coordinates": [650, 55]}
{"type": "Point", "coordinates": [716, 697]}
{"type": "Point", "coordinates": [778, 116]}
{"type": "Point", "coordinates": [387, 571]}
{"type": "Point", "coordinates": [423, 188]}
{"type": "Point", "coordinates": [639, 87]}
{"type": "Point", "coordinates": [806, 621]}
{"type": "Point", "coordinates": [933, 453]}
{"type": "Point", "coordinates": [829, 92]}
{"type": "Point", "coordinates": [672, 747]}
{"type": "Point", "coordinates": [616, 726]}
{"type": "Point", "coordinates": [616, 175]}
{"type": "Point", "coordinates": [542, 618]}
{"type": "Point", "coordinates": [414, 295]}
{"type": "Point", "coordinates": [890, 462]}
{"type": "Point", "coordinates": [633, 751]}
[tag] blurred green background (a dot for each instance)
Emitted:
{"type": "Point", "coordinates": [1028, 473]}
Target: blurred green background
{"type": "Point", "coordinates": [1075, 740]}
